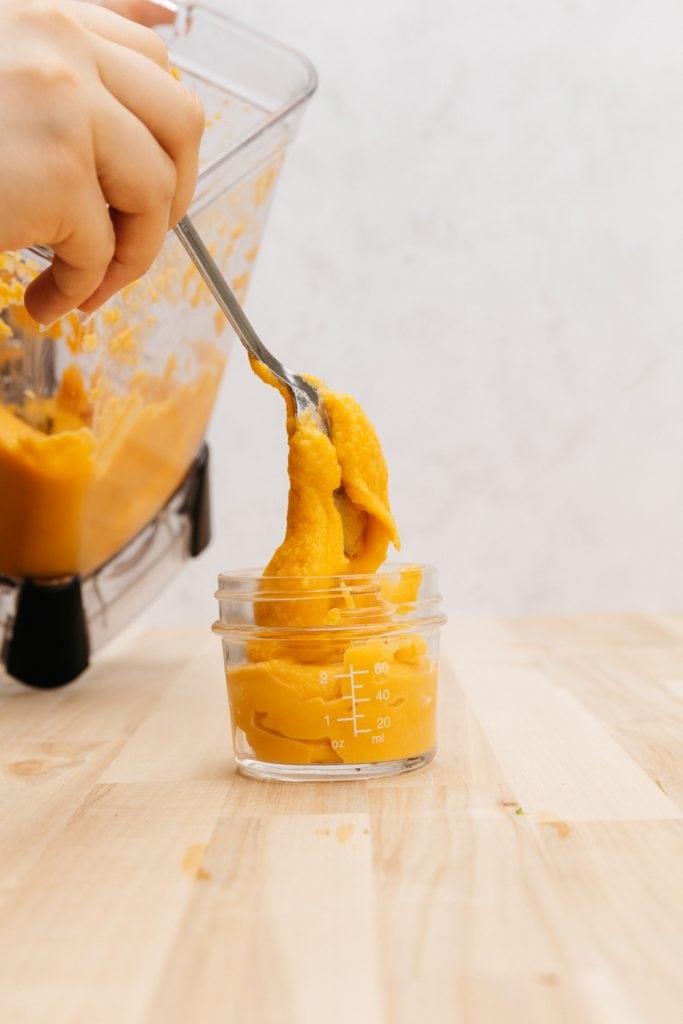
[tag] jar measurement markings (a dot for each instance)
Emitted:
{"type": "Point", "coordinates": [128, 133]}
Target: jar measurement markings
{"type": "Point", "coordinates": [381, 668]}
{"type": "Point", "coordinates": [355, 715]}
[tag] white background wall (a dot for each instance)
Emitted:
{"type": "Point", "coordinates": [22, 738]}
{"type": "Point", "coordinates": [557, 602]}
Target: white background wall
{"type": "Point", "coordinates": [479, 233]}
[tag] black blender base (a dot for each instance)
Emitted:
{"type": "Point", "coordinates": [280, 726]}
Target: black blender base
{"type": "Point", "coordinates": [49, 642]}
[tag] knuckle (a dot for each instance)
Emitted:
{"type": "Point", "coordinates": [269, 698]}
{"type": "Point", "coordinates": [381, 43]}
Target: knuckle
{"type": "Point", "coordinates": [107, 247]}
{"type": "Point", "coordinates": [155, 46]}
{"type": "Point", "coordinates": [70, 288]}
{"type": "Point", "coordinates": [56, 12]}
{"type": "Point", "coordinates": [196, 115]}
{"type": "Point", "coordinates": [49, 15]}
{"type": "Point", "coordinates": [52, 79]}
{"type": "Point", "coordinates": [68, 281]}
{"type": "Point", "coordinates": [167, 182]}
{"type": "Point", "coordinates": [138, 265]}
{"type": "Point", "coordinates": [134, 260]}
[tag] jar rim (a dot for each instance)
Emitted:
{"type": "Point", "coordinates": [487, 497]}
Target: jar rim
{"type": "Point", "coordinates": [242, 590]}
{"type": "Point", "coordinates": [387, 569]}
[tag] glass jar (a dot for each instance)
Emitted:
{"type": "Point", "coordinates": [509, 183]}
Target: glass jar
{"type": "Point", "coordinates": [331, 677]}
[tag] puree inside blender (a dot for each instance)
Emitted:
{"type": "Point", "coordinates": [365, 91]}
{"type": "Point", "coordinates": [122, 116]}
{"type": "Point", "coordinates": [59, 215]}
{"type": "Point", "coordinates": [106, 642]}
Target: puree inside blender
{"type": "Point", "coordinates": [83, 470]}
{"type": "Point", "coordinates": [288, 697]}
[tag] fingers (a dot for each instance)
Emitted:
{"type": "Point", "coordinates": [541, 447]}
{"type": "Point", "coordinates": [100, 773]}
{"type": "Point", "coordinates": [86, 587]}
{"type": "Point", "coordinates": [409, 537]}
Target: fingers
{"type": "Point", "coordinates": [80, 263]}
{"type": "Point", "coordinates": [137, 142]}
{"type": "Point", "coordinates": [140, 203]}
{"type": "Point", "coordinates": [173, 114]}
{"type": "Point", "coordinates": [143, 11]}
{"type": "Point", "coordinates": [115, 233]}
{"type": "Point", "coordinates": [108, 25]}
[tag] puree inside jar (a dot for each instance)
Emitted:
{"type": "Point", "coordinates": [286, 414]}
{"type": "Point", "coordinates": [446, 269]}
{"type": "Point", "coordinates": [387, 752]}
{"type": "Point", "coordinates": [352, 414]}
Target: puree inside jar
{"type": "Point", "coordinates": [309, 691]}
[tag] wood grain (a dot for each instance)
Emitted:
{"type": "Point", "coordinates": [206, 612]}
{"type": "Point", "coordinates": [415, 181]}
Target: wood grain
{"type": "Point", "coordinates": [534, 873]}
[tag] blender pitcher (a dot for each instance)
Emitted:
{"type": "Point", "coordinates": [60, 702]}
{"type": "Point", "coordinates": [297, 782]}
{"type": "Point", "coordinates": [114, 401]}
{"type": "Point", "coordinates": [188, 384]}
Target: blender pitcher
{"type": "Point", "coordinates": [103, 467]}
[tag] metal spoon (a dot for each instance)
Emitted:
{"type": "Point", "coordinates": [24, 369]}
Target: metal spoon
{"type": "Point", "coordinates": [306, 397]}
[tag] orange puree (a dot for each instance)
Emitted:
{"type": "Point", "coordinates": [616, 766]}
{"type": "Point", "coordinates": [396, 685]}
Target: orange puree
{"type": "Point", "coordinates": [72, 498]}
{"type": "Point", "coordinates": [310, 692]}
{"type": "Point", "coordinates": [83, 471]}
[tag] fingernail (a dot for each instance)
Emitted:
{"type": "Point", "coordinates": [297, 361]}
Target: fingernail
{"type": "Point", "coordinates": [83, 318]}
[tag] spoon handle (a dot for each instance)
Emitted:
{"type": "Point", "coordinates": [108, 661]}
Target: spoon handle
{"type": "Point", "coordinates": [305, 396]}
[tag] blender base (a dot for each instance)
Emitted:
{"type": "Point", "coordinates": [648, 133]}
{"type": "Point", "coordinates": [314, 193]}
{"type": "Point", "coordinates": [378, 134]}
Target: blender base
{"type": "Point", "coordinates": [51, 627]}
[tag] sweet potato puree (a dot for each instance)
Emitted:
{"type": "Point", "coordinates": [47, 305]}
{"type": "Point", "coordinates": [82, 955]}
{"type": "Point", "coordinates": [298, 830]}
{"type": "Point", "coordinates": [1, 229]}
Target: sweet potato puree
{"type": "Point", "coordinates": [82, 471]}
{"type": "Point", "coordinates": [330, 678]}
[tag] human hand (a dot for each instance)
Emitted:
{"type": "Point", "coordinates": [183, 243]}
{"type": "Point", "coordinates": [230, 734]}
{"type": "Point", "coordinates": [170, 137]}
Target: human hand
{"type": "Point", "coordinates": [100, 148]}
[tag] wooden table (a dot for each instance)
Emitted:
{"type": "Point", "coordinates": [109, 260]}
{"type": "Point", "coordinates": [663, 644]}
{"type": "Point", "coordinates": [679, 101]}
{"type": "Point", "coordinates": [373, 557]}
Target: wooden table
{"type": "Point", "coordinates": [534, 873]}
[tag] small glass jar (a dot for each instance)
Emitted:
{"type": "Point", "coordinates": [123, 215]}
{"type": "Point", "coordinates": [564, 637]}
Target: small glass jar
{"type": "Point", "coordinates": [331, 677]}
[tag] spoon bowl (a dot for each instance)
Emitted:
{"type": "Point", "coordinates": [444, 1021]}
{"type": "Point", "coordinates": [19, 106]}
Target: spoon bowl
{"type": "Point", "coordinates": [305, 396]}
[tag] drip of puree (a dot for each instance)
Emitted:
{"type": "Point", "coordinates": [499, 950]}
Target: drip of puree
{"type": "Point", "coordinates": [286, 697]}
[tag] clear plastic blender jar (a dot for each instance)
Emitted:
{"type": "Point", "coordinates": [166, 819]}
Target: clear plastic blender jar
{"type": "Point", "coordinates": [102, 470]}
